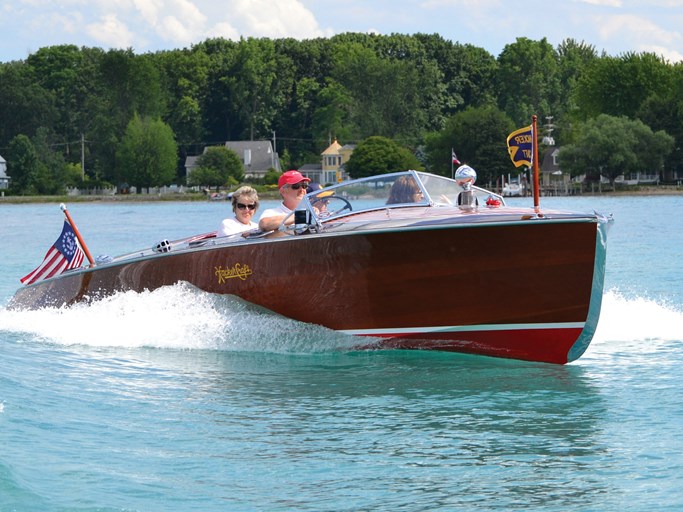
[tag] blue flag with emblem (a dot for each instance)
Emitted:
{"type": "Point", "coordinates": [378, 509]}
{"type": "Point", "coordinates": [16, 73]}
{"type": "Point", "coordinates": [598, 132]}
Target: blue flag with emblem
{"type": "Point", "coordinates": [520, 146]}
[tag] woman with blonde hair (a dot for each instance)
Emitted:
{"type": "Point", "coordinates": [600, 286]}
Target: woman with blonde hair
{"type": "Point", "coordinates": [244, 204]}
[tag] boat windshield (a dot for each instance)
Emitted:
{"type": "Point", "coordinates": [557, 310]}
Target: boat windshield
{"type": "Point", "coordinates": [444, 191]}
{"type": "Point", "coordinates": [395, 190]}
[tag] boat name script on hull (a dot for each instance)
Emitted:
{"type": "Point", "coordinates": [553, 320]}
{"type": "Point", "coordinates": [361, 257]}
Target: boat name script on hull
{"type": "Point", "coordinates": [237, 270]}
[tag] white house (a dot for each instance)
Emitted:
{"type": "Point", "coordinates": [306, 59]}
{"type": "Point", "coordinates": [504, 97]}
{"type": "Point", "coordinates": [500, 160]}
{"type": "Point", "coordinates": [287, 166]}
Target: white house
{"type": "Point", "coordinates": [257, 157]}
{"type": "Point", "coordinates": [4, 179]}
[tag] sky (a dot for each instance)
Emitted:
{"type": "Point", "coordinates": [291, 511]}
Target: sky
{"type": "Point", "coordinates": [613, 26]}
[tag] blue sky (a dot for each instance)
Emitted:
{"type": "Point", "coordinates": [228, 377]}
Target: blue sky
{"type": "Point", "coordinates": [612, 26]}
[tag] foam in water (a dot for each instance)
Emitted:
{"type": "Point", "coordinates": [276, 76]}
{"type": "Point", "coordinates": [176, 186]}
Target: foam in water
{"type": "Point", "coordinates": [183, 317]}
{"type": "Point", "coordinates": [637, 319]}
{"type": "Point", "coordinates": [178, 317]}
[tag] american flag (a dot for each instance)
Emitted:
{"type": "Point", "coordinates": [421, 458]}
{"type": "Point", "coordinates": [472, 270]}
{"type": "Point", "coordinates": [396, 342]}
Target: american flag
{"type": "Point", "coordinates": [65, 253]}
{"type": "Point", "coordinates": [454, 158]}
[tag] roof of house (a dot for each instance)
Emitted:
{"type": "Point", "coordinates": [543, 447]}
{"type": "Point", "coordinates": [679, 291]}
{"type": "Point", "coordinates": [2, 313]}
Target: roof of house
{"type": "Point", "coordinates": [311, 167]}
{"type": "Point", "coordinates": [191, 161]}
{"type": "Point", "coordinates": [549, 158]}
{"type": "Point", "coordinates": [255, 154]}
{"type": "Point", "coordinates": [332, 149]}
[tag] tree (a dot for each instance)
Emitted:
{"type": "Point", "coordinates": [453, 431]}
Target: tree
{"type": "Point", "coordinates": [618, 86]}
{"type": "Point", "coordinates": [468, 72]}
{"type": "Point", "coordinates": [574, 59]}
{"type": "Point", "coordinates": [148, 153]}
{"type": "Point", "coordinates": [184, 78]}
{"type": "Point", "coordinates": [395, 98]}
{"type": "Point", "coordinates": [613, 146]}
{"type": "Point", "coordinates": [26, 105]}
{"type": "Point", "coordinates": [379, 155]}
{"type": "Point", "coordinates": [126, 84]}
{"type": "Point", "coordinates": [51, 177]}
{"type": "Point", "coordinates": [258, 81]}
{"type": "Point", "coordinates": [70, 74]}
{"type": "Point", "coordinates": [332, 116]}
{"type": "Point", "coordinates": [478, 136]}
{"type": "Point", "coordinates": [206, 177]}
{"type": "Point", "coordinates": [527, 81]}
{"type": "Point", "coordinates": [665, 112]}
{"type": "Point", "coordinates": [216, 166]}
{"type": "Point", "coordinates": [22, 164]}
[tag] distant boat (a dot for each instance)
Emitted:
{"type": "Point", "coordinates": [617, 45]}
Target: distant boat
{"type": "Point", "coordinates": [219, 196]}
{"type": "Point", "coordinates": [450, 268]}
{"type": "Point", "coordinates": [512, 189]}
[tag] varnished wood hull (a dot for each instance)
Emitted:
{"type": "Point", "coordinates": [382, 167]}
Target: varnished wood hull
{"type": "Point", "coordinates": [526, 290]}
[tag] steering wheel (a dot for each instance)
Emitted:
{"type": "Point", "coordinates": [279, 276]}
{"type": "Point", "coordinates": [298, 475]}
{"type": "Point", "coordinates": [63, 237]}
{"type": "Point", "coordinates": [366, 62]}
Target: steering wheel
{"type": "Point", "coordinates": [327, 208]}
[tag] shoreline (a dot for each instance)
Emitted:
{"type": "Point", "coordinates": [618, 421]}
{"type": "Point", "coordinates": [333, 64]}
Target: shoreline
{"type": "Point", "coordinates": [662, 190]}
{"type": "Point", "coordinates": [119, 198]}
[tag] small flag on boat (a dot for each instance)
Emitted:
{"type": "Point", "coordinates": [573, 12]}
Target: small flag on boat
{"type": "Point", "coordinates": [66, 253]}
{"type": "Point", "coordinates": [454, 158]}
{"type": "Point", "coordinates": [520, 146]}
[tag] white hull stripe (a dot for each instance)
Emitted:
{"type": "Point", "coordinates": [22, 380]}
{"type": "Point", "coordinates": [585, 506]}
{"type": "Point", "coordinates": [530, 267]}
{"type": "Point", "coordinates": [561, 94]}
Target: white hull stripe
{"type": "Point", "coordinates": [463, 328]}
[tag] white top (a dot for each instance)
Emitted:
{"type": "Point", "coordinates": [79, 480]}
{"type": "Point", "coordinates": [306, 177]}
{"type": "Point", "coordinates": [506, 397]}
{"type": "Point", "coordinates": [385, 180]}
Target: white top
{"type": "Point", "coordinates": [272, 212]}
{"type": "Point", "coordinates": [233, 226]}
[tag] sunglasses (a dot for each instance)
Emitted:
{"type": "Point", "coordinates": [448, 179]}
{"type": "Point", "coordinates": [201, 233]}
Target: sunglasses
{"type": "Point", "coordinates": [297, 186]}
{"type": "Point", "coordinates": [242, 206]}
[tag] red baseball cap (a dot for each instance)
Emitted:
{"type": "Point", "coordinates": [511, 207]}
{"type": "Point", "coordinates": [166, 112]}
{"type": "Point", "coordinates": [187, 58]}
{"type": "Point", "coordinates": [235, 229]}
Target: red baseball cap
{"type": "Point", "coordinates": [290, 178]}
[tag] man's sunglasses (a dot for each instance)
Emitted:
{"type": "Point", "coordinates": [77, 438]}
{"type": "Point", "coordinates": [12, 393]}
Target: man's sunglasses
{"type": "Point", "coordinates": [297, 186]}
{"type": "Point", "coordinates": [242, 206]}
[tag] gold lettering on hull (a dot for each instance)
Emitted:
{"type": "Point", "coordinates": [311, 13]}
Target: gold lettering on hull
{"type": "Point", "coordinates": [237, 270]}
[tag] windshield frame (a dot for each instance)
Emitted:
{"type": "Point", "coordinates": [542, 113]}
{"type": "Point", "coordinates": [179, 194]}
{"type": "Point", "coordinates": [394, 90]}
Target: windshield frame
{"type": "Point", "coordinates": [372, 193]}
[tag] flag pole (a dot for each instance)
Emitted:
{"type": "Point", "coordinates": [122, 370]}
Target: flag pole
{"type": "Point", "coordinates": [452, 162]}
{"type": "Point", "coordinates": [77, 233]}
{"type": "Point", "coordinates": [534, 163]}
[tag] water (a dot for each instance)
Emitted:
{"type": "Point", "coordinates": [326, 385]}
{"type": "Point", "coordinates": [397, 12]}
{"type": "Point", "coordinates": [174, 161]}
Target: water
{"type": "Point", "coordinates": [179, 400]}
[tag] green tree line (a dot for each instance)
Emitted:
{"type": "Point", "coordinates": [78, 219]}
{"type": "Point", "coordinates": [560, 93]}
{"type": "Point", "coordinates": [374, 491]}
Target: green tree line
{"type": "Point", "coordinates": [134, 118]}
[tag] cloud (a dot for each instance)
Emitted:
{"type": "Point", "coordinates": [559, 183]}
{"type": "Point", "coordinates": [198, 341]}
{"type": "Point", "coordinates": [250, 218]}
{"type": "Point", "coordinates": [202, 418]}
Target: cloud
{"type": "Point", "coordinates": [224, 30]}
{"type": "Point", "coordinates": [186, 25]}
{"type": "Point", "coordinates": [605, 3]}
{"type": "Point", "coordinates": [668, 54]}
{"type": "Point", "coordinates": [109, 31]}
{"type": "Point", "coordinates": [468, 4]}
{"type": "Point", "coordinates": [149, 10]}
{"type": "Point", "coordinates": [643, 34]}
{"type": "Point", "coordinates": [274, 19]}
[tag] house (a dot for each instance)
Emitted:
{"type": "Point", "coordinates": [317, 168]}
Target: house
{"type": "Point", "coordinates": [257, 157]}
{"type": "Point", "coordinates": [553, 180]}
{"type": "Point", "coordinates": [550, 165]}
{"type": "Point", "coordinates": [331, 166]}
{"type": "Point", "coordinates": [4, 179]}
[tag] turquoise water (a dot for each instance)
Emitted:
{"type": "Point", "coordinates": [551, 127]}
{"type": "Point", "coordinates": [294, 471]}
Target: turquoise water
{"type": "Point", "coordinates": [179, 400]}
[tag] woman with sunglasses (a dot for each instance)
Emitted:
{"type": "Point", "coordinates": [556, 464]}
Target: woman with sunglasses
{"type": "Point", "coordinates": [244, 204]}
{"type": "Point", "coordinates": [292, 185]}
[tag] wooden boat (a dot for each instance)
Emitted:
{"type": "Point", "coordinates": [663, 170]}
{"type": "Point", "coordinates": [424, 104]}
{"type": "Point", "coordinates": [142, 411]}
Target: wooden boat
{"type": "Point", "coordinates": [449, 268]}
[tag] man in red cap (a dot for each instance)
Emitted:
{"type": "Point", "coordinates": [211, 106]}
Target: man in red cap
{"type": "Point", "coordinates": [292, 185]}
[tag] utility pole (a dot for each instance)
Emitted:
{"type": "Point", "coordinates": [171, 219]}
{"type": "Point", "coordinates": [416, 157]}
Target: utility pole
{"type": "Point", "coordinates": [272, 157]}
{"type": "Point", "coordinates": [82, 157]}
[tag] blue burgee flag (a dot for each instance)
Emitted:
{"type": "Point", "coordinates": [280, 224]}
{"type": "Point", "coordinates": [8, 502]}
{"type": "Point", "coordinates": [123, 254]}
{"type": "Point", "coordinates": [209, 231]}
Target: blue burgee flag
{"type": "Point", "coordinates": [521, 147]}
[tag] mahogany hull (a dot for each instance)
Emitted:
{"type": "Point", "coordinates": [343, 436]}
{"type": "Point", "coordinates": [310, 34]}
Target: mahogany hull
{"type": "Point", "coordinates": [527, 290]}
